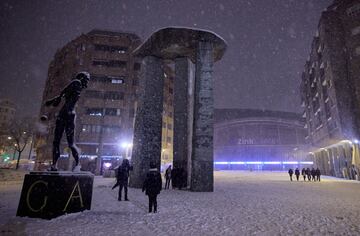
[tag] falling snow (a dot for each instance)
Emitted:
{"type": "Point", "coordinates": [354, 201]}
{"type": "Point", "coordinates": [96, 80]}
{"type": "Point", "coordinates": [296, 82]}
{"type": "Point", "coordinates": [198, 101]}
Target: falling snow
{"type": "Point", "coordinates": [244, 203]}
{"type": "Point", "coordinates": [268, 40]}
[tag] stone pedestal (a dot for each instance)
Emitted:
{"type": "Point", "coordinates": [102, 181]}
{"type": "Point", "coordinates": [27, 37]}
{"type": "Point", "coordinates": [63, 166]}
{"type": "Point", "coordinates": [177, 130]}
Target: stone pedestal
{"type": "Point", "coordinates": [50, 194]}
{"type": "Point", "coordinates": [148, 121]}
{"type": "Point", "coordinates": [202, 176]}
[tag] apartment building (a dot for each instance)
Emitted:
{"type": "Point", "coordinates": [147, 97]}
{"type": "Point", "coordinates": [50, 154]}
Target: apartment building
{"type": "Point", "coordinates": [330, 89]}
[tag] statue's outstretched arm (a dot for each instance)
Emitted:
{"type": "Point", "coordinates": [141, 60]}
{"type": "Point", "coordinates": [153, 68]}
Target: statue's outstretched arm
{"type": "Point", "coordinates": [53, 101]}
{"type": "Point", "coordinates": [68, 89]}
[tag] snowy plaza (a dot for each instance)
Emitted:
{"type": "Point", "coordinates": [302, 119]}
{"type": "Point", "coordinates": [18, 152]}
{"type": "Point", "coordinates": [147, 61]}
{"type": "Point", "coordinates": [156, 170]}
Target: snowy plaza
{"type": "Point", "coordinates": [243, 203]}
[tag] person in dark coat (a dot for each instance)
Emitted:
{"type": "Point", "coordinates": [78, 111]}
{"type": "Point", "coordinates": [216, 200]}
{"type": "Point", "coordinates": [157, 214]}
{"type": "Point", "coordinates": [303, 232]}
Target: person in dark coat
{"type": "Point", "coordinates": [313, 174]}
{"type": "Point", "coordinates": [168, 177]}
{"type": "Point", "coordinates": [291, 172]}
{"type": "Point", "coordinates": [174, 177]}
{"type": "Point", "coordinates": [152, 186]}
{"type": "Point", "coordinates": [308, 173]}
{"type": "Point", "coordinates": [122, 178]}
{"type": "Point", "coordinates": [353, 172]}
{"type": "Point", "coordinates": [297, 173]}
{"type": "Point", "coordinates": [318, 174]}
{"type": "Point", "coordinates": [303, 173]}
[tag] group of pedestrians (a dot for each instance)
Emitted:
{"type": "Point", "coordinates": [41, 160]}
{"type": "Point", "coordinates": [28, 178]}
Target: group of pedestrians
{"type": "Point", "coordinates": [310, 175]}
{"type": "Point", "coordinates": [152, 184]}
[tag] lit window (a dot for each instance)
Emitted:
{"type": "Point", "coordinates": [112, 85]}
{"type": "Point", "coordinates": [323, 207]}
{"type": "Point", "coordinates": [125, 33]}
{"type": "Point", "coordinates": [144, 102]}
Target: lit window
{"type": "Point", "coordinates": [354, 10]}
{"type": "Point", "coordinates": [357, 51]}
{"type": "Point", "coordinates": [112, 111]}
{"type": "Point", "coordinates": [355, 30]}
{"type": "Point", "coordinates": [117, 81]}
{"type": "Point", "coordinates": [94, 111]}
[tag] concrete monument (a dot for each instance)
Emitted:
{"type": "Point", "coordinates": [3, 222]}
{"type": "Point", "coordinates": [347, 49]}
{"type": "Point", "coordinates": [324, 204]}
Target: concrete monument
{"type": "Point", "coordinates": [193, 103]}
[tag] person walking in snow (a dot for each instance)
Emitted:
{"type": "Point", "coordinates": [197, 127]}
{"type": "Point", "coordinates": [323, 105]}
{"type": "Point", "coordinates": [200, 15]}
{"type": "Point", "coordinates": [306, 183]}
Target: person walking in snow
{"type": "Point", "coordinates": [122, 178]}
{"type": "Point", "coordinates": [152, 186]}
{"type": "Point", "coordinates": [313, 174]}
{"type": "Point", "coordinates": [353, 172]}
{"type": "Point", "coordinates": [303, 173]}
{"type": "Point", "coordinates": [168, 177]}
{"type": "Point", "coordinates": [297, 173]}
{"type": "Point", "coordinates": [175, 177]}
{"type": "Point", "coordinates": [308, 173]}
{"type": "Point", "coordinates": [291, 172]}
{"type": "Point", "coordinates": [318, 174]}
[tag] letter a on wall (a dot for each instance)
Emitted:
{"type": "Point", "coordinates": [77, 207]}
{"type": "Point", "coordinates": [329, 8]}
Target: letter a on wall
{"type": "Point", "coordinates": [73, 196]}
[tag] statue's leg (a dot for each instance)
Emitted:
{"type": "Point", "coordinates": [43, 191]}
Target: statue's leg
{"type": "Point", "coordinates": [59, 130]}
{"type": "Point", "coordinates": [70, 131]}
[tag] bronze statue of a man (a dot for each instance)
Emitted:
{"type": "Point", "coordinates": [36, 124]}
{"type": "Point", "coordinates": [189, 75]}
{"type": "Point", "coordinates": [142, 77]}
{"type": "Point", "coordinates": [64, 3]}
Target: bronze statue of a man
{"type": "Point", "coordinates": [65, 120]}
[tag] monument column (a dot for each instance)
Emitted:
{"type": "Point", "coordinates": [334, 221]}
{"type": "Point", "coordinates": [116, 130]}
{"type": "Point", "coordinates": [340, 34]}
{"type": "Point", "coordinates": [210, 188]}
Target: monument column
{"type": "Point", "coordinates": [202, 177]}
{"type": "Point", "coordinates": [148, 121]}
{"type": "Point", "coordinates": [181, 113]}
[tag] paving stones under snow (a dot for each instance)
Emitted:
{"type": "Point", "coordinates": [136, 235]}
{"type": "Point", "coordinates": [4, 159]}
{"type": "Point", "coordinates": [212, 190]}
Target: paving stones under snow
{"type": "Point", "coordinates": [243, 203]}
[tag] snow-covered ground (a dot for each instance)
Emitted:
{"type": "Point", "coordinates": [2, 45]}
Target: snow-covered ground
{"type": "Point", "coordinates": [244, 203]}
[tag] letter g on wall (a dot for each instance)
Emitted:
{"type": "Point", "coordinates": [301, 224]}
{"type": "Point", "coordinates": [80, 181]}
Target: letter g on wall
{"type": "Point", "coordinates": [28, 196]}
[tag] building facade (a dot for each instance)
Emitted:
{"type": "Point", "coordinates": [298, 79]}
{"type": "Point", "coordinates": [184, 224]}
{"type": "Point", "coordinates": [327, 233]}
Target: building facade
{"type": "Point", "coordinates": [259, 140]}
{"type": "Point", "coordinates": [330, 90]}
{"type": "Point", "coordinates": [7, 114]}
{"type": "Point", "coordinates": [106, 109]}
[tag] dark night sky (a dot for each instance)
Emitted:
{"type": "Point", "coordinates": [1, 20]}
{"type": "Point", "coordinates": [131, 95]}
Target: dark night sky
{"type": "Point", "coordinates": [268, 42]}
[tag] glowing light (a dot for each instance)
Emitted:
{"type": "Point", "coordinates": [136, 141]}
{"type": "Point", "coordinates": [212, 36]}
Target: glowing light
{"type": "Point", "coordinates": [272, 162]}
{"type": "Point", "coordinates": [356, 141]}
{"type": "Point", "coordinates": [306, 162]}
{"type": "Point", "coordinates": [9, 138]}
{"type": "Point", "coordinates": [253, 162]}
{"type": "Point", "coordinates": [126, 145]}
{"type": "Point", "coordinates": [237, 163]}
{"type": "Point", "coordinates": [263, 163]}
{"type": "Point", "coordinates": [107, 164]}
{"type": "Point", "coordinates": [221, 162]}
{"type": "Point", "coordinates": [290, 162]}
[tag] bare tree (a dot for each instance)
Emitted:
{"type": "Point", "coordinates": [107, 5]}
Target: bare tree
{"type": "Point", "coordinates": [21, 132]}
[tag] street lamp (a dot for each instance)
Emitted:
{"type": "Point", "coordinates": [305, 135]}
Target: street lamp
{"type": "Point", "coordinates": [127, 146]}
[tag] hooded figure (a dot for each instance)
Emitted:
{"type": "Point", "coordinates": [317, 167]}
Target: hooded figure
{"type": "Point", "coordinates": [168, 177]}
{"type": "Point", "coordinates": [318, 174]}
{"type": "Point", "coordinates": [152, 186]}
{"type": "Point", "coordinates": [308, 173]}
{"type": "Point", "coordinates": [297, 173]}
{"type": "Point", "coordinates": [122, 178]}
{"type": "Point", "coordinates": [313, 174]}
{"type": "Point", "coordinates": [303, 173]}
{"type": "Point", "coordinates": [290, 172]}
